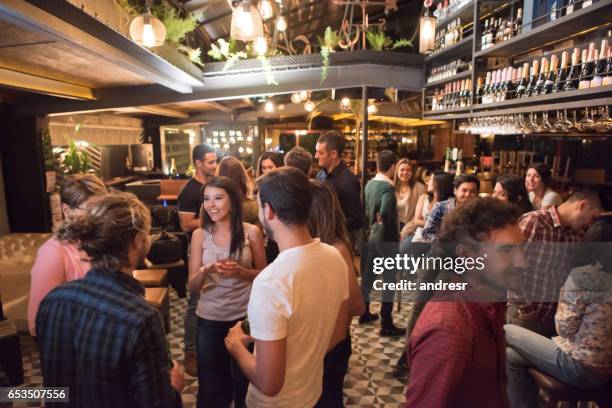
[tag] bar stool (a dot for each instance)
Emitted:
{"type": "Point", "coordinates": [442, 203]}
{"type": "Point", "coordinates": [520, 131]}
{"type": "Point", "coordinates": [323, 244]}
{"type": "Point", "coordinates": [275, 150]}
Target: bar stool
{"type": "Point", "coordinates": [159, 299]}
{"type": "Point", "coordinates": [553, 391]}
{"type": "Point", "coordinates": [151, 278]}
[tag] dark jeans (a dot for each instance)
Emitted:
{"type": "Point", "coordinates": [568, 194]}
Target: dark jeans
{"type": "Point", "coordinates": [335, 366]}
{"type": "Point", "coordinates": [219, 376]}
{"type": "Point", "coordinates": [368, 277]}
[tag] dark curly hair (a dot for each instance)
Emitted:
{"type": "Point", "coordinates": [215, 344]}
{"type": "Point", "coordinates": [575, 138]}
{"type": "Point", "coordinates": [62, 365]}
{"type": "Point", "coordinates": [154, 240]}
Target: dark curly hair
{"type": "Point", "coordinates": [107, 229]}
{"type": "Point", "coordinates": [474, 220]}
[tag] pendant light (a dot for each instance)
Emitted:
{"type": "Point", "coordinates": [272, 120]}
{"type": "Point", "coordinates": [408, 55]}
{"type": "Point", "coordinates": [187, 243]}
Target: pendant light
{"type": "Point", "coordinates": [265, 9]}
{"type": "Point", "coordinates": [247, 24]}
{"type": "Point", "coordinates": [427, 30]}
{"type": "Point", "coordinates": [146, 30]}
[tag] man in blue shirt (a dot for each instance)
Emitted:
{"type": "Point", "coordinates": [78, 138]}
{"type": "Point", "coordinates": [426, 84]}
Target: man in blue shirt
{"type": "Point", "coordinates": [98, 335]}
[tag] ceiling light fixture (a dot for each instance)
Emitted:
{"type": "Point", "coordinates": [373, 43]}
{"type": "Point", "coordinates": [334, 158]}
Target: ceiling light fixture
{"type": "Point", "coordinates": [372, 109]}
{"type": "Point", "coordinates": [427, 30]}
{"type": "Point", "coordinates": [281, 24]}
{"type": "Point", "coordinates": [309, 106]}
{"type": "Point", "coordinates": [247, 24]}
{"type": "Point", "coordinates": [269, 108]}
{"type": "Point", "coordinates": [295, 98]}
{"type": "Point", "coordinates": [265, 9]}
{"type": "Point", "coordinates": [345, 103]}
{"type": "Point", "coordinates": [146, 30]}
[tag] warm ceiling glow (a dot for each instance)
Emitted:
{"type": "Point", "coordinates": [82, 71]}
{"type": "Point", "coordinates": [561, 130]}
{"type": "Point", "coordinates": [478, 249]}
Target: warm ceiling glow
{"type": "Point", "coordinates": [247, 24]}
{"type": "Point", "coordinates": [265, 8]}
{"type": "Point", "coordinates": [372, 109]}
{"type": "Point", "coordinates": [295, 98]}
{"type": "Point", "coordinates": [281, 24]}
{"type": "Point", "coordinates": [269, 107]}
{"type": "Point", "coordinates": [427, 34]}
{"type": "Point", "coordinates": [345, 103]}
{"type": "Point", "coordinates": [309, 106]}
{"type": "Point", "coordinates": [147, 30]}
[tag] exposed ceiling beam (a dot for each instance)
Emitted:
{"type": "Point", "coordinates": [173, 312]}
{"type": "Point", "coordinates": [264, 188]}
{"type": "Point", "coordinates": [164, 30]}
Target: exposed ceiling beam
{"type": "Point", "coordinates": [64, 22]}
{"type": "Point", "coordinates": [33, 83]}
{"type": "Point", "coordinates": [158, 110]}
{"type": "Point", "coordinates": [220, 106]}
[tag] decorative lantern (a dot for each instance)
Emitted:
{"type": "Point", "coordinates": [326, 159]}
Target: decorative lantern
{"type": "Point", "coordinates": [427, 31]}
{"type": "Point", "coordinates": [247, 24]}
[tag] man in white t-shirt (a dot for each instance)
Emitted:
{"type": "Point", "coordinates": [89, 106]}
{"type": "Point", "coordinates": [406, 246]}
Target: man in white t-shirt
{"type": "Point", "coordinates": [295, 301]}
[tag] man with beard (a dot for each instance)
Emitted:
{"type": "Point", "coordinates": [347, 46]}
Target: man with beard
{"type": "Point", "coordinates": [98, 335]}
{"type": "Point", "coordinates": [457, 349]}
{"type": "Point", "coordinates": [295, 301]}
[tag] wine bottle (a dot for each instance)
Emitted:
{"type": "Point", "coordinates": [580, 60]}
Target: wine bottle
{"type": "Point", "coordinates": [479, 90]}
{"type": "Point", "coordinates": [483, 37]}
{"type": "Point", "coordinates": [522, 85]}
{"type": "Point", "coordinates": [533, 78]}
{"type": "Point", "coordinates": [600, 65]}
{"type": "Point", "coordinates": [573, 76]}
{"type": "Point", "coordinates": [492, 32]}
{"type": "Point", "coordinates": [499, 35]}
{"type": "Point", "coordinates": [509, 86]}
{"type": "Point", "coordinates": [501, 91]}
{"type": "Point", "coordinates": [542, 77]}
{"type": "Point", "coordinates": [608, 78]}
{"type": "Point", "coordinates": [561, 74]}
{"type": "Point", "coordinates": [518, 23]}
{"type": "Point", "coordinates": [569, 8]}
{"type": "Point", "coordinates": [553, 11]}
{"type": "Point", "coordinates": [468, 92]}
{"type": "Point", "coordinates": [586, 73]}
{"type": "Point", "coordinates": [549, 81]}
{"type": "Point", "coordinates": [586, 3]}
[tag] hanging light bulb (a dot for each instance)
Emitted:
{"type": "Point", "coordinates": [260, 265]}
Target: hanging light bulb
{"type": "Point", "coordinates": [295, 98]}
{"type": "Point", "coordinates": [265, 9]}
{"type": "Point", "coordinates": [147, 30]}
{"type": "Point", "coordinates": [303, 96]}
{"type": "Point", "coordinates": [260, 45]}
{"type": "Point", "coordinates": [269, 108]}
{"type": "Point", "coordinates": [345, 103]}
{"type": "Point", "coordinates": [372, 109]}
{"type": "Point", "coordinates": [247, 24]}
{"type": "Point", "coordinates": [309, 106]}
{"type": "Point", "coordinates": [281, 24]}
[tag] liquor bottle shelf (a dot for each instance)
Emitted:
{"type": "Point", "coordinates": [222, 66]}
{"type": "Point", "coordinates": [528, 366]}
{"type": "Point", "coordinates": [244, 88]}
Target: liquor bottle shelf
{"type": "Point", "coordinates": [461, 75]}
{"type": "Point", "coordinates": [459, 49]}
{"type": "Point", "coordinates": [465, 13]}
{"type": "Point", "coordinates": [597, 14]}
{"type": "Point", "coordinates": [428, 114]}
{"type": "Point", "coordinates": [575, 95]}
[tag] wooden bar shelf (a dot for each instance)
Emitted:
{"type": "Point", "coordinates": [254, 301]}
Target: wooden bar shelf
{"type": "Point", "coordinates": [596, 15]}
{"type": "Point", "coordinates": [461, 75]}
{"type": "Point", "coordinates": [460, 49]}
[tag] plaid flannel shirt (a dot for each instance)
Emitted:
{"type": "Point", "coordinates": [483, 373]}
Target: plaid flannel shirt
{"type": "Point", "coordinates": [436, 216]}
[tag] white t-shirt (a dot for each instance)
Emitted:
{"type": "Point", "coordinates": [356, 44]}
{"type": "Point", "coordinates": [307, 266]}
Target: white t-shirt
{"type": "Point", "coordinates": [550, 198]}
{"type": "Point", "coordinates": [298, 297]}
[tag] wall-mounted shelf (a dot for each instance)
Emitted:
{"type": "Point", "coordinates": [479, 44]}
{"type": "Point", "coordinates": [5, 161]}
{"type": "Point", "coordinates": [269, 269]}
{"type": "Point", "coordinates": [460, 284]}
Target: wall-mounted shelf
{"type": "Point", "coordinates": [460, 49]}
{"type": "Point", "coordinates": [576, 95]}
{"type": "Point", "coordinates": [597, 14]}
{"type": "Point", "coordinates": [461, 75]}
{"type": "Point", "coordinates": [465, 13]}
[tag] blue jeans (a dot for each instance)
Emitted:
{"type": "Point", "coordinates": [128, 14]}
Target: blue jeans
{"type": "Point", "coordinates": [220, 379]}
{"type": "Point", "coordinates": [527, 348]}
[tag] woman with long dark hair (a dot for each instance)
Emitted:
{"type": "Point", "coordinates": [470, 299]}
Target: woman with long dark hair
{"type": "Point", "coordinates": [439, 188]}
{"type": "Point", "coordinates": [268, 161]}
{"type": "Point", "coordinates": [226, 255]}
{"type": "Point", "coordinates": [232, 168]}
{"type": "Point", "coordinates": [326, 221]}
{"type": "Point", "coordinates": [511, 188]}
{"type": "Point", "coordinates": [537, 183]}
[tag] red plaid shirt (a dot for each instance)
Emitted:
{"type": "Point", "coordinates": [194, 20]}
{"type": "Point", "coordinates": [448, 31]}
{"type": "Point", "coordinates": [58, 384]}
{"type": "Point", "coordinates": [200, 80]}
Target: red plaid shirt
{"type": "Point", "coordinates": [550, 249]}
{"type": "Point", "coordinates": [457, 354]}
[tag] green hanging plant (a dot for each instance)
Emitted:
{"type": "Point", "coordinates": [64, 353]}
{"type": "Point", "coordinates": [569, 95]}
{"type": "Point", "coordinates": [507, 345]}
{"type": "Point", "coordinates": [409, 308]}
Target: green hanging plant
{"type": "Point", "coordinates": [226, 51]}
{"type": "Point", "coordinates": [377, 39]}
{"type": "Point", "coordinates": [328, 44]}
{"type": "Point", "coordinates": [177, 27]}
{"type": "Point", "coordinates": [267, 66]}
{"type": "Point", "coordinates": [402, 42]}
{"type": "Point", "coordinates": [194, 54]}
{"type": "Point", "coordinates": [75, 161]}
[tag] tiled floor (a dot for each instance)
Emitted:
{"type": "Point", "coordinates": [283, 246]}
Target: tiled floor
{"type": "Point", "coordinates": [369, 382]}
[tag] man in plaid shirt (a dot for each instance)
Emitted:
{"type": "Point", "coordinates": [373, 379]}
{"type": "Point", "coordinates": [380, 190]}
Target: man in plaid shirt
{"type": "Point", "coordinates": [466, 187]}
{"type": "Point", "coordinates": [551, 236]}
{"type": "Point", "coordinates": [98, 336]}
